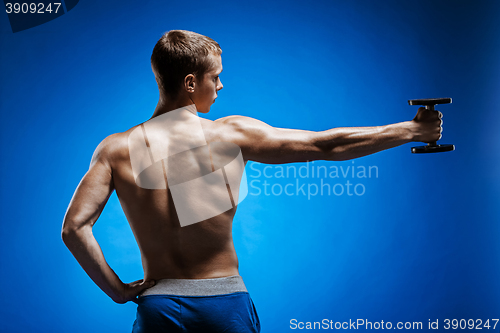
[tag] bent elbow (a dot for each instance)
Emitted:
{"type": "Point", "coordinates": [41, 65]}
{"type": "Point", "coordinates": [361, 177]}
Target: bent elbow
{"type": "Point", "coordinates": [67, 233]}
{"type": "Point", "coordinates": [70, 231]}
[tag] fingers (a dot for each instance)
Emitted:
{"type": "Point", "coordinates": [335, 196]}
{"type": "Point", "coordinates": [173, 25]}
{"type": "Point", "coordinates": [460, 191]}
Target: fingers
{"type": "Point", "coordinates": [150, 283]}
{"type": "Point", "coordinates": [430, 123]}
{"type": "Point", "coordinates": [426, 115]}
{"type": "Point", "coordinates": [437, 114]}
{"type": "Point", "coordinates": [143, 286]}
{"type": "Point", "coordinates": [140, 288]}
{"type": "Point", "coordinates": [136, 288]}
{"type": "Point", "coordinates": [136, 283]}
{"type": "Point", "coordinates": [141, 283]}
{"type": "Point", "coordinates": [440, 116]}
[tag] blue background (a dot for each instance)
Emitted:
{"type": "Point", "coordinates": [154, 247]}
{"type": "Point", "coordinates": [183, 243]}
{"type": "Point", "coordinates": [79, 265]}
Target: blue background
{"type": "Point", "coordinates": [421, 243]}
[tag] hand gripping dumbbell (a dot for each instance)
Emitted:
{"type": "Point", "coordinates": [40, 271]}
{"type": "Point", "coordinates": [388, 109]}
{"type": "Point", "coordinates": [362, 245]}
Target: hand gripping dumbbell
{"type": "Point", "coordinates": [432, 147]}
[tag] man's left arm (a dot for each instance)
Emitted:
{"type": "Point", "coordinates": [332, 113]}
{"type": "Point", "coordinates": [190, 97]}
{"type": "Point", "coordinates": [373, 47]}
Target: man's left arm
{"type": "Point", "coordinates": [266, 144]}
{"type": "Point", "coordinates": [84, 209]}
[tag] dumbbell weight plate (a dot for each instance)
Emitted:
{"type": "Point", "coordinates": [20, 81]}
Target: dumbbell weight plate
{"type": "Point", "coordinates": [429, 101]}
{"type": "Point", "coordinates": [432, 149]}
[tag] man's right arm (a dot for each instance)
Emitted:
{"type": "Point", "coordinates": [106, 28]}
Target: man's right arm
{"type": "Point", "coordinates": [263, 143]}
{"type": "Point", "coordinates": [84, 209]}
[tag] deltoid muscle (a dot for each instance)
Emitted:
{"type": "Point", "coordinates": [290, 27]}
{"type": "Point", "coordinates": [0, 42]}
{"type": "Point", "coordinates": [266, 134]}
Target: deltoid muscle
{"type": "Point", "coordinates": [204, 179]}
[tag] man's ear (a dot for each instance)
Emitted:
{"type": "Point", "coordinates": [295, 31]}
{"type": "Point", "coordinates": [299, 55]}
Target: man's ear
{"type": "Point", "coordinates": [189, 83]}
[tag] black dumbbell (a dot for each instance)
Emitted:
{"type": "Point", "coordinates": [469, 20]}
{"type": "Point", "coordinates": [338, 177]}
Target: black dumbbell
{"type": "Point", "coordinates": [432, 147]}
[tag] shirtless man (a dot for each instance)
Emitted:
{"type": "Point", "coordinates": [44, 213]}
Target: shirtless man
{"type": "Point", "coordinates": [191, 280]}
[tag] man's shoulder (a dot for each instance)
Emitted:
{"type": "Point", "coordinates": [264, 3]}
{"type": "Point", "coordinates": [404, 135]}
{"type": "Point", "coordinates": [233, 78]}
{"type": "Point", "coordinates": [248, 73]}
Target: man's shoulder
{"type": "Point", "coordinates": [240, 130]}
{"type": "Point", "coordinates": [235, 124]}
{"type": "Point", "coordinates": [238, 121]}
{"type": "Point", "coordinates": [113, 147]}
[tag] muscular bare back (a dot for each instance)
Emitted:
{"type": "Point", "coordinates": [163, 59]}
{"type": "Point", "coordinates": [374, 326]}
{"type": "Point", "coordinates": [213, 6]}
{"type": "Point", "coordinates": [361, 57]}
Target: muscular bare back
{"type": "Point", "coordinates": [169, 250]}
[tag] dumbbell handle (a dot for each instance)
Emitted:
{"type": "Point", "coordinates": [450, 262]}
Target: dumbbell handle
{"type": "Point", "coordinates": [432, 108]}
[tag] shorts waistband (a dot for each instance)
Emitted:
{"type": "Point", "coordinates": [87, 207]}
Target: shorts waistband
{"type": "Point", "coordinates": [197, 287]}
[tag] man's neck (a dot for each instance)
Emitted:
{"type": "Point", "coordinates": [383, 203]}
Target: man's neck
{"type": "Point", "coordinates": [165, 105]}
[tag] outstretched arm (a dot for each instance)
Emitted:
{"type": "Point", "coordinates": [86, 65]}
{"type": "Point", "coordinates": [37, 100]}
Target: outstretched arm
{"type": "Point", "coordinates": [84, 209]}
{"type": "Point", "coordinates": [263, 143]}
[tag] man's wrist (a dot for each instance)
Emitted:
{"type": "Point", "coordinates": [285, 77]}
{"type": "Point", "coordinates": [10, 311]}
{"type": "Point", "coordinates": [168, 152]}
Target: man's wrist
{"type": "Point", "coordinates": [118, 291]}
{"type": "Point", "coordinates": [408, 131]}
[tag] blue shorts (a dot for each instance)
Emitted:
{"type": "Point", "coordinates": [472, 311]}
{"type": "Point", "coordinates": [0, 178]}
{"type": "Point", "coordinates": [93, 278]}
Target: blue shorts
{"type": "Point", "coordinates": [197, 305]}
